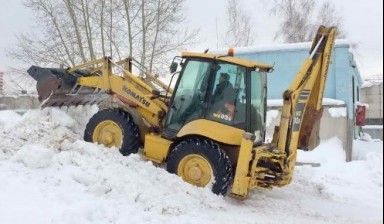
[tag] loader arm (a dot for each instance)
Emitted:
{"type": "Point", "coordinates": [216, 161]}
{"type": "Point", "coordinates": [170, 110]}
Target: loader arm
{"type": "Point", "coordinates": [94, 82]}
{"type": "Point", "coordinates": [302, 108]}
{"type": "Point", "coordinates": [130, 89]}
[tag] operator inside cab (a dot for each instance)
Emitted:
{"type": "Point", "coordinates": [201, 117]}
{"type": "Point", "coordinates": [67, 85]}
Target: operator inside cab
{"type": "Point", "coordinates": [223, 99]}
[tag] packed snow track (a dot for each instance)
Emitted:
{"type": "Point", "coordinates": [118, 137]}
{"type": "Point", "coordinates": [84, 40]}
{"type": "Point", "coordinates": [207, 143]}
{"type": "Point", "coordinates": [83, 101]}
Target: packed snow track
{"type": "Point", "coordinates": [49, 175]}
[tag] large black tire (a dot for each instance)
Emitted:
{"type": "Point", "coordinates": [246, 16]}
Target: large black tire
{"type": "Point", "coordinates": [130, 131]}
{"type": "Point", "coordinates": [217, 158]}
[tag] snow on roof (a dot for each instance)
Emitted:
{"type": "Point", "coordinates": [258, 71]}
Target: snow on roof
{"type": "Point", "coordinates": [372, 81]}
{"type": "Point", "coordinates": [326, 102]}
{"type": "Point", "coordinates": [277, 47]}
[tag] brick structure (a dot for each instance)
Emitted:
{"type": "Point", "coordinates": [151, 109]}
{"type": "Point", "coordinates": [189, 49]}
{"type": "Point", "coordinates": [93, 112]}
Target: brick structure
{"type": "Point", "coordinates": [1, 82]}
{"type": "Point", "coordinates": [372, 94]}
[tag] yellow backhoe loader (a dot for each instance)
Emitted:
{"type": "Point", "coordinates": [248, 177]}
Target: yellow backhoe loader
{"type": "Point", "coordinates": [210, 128]}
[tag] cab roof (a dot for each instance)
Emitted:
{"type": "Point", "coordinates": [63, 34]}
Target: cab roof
{"type": "Point", "coordinates": [230, 59]}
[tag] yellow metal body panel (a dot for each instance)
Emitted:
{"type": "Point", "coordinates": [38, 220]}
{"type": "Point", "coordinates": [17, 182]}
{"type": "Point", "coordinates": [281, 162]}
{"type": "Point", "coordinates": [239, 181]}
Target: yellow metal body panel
{"type": "Point", "coordinates": [156, 148]}
{"type": "Point", "coordinates": [233, 60]}
{"type": "Point", "coordinates": [213, 130]}
{"type": "Point", "coordinates": [241, 180]}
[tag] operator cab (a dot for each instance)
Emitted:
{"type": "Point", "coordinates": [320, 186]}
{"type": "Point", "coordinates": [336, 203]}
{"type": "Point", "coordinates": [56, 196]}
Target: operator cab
{"type": "Point", "coordinates": [228, 90]}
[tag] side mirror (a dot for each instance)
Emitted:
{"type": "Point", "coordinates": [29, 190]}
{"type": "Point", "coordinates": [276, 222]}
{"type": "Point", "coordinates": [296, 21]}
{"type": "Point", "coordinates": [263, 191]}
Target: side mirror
{"type": "Point", "coordinates": [173, 67]}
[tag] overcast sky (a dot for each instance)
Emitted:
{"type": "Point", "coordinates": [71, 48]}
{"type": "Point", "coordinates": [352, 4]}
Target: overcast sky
{"type": "Point", "coordinates": [363, 20]}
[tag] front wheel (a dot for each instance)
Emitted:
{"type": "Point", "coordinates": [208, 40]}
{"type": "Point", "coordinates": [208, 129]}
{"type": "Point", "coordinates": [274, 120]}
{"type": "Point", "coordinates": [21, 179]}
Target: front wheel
{"type": "Point", "coordinates": [113, 128]}
{"type": "Point", "coordinates": [201, 162]}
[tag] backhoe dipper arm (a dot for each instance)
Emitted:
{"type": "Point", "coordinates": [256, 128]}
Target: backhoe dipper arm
{"type": "Point", "coordinates": [302, 108]}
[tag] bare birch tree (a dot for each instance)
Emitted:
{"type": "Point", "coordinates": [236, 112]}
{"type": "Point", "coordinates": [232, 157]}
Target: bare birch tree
{"type": "Point", "coordinates": [239, 29]}
{"type": "Point", "coordinates": [75, 31]}
{"type": "Point", "coordinates": [328, 15]}
{"type": "Point", "coordinates": [296, 19]}
{"type": "Point", "coordinates": [300, 19]}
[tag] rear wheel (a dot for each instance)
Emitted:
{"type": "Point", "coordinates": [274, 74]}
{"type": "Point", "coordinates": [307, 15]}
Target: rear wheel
{"type": "Point", "coordinates": [201, 162]}
{"type": "Point", "coordinates": [113, 128]}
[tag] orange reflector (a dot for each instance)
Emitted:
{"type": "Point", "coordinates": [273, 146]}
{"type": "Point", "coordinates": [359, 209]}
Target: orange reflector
{"type": "Point", "coordinates": [231, 52]}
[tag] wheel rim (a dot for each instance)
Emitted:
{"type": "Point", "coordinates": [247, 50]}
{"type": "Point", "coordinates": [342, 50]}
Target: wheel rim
{"type": "Point", "coordinates": [195, 170]}
{"type": "Point", "coordinates": [108, 133]}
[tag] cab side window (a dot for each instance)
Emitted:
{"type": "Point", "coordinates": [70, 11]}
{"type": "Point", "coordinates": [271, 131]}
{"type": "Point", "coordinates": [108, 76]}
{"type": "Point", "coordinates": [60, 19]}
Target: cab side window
{"type": "Point", "coordinates": [227, 102]}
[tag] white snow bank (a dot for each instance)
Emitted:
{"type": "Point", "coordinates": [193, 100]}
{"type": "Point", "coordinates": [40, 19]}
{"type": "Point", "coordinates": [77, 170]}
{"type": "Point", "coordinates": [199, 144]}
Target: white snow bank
{"type": "Point", "coordinates": [348, 181]}
{"type": "Point", "coordinates": [328, 152]}
{"type": "Point", "coordinates": [34, 156]}
{"type": "Point", "coordinates": [8, 117]}
{"type": "Point", "coordinates": [362, 148]}
{"type": "Point", "coordinates": [48, 127]}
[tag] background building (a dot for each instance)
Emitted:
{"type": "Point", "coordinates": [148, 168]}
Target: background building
{"type": "Point", "coordinates": [372, 95]}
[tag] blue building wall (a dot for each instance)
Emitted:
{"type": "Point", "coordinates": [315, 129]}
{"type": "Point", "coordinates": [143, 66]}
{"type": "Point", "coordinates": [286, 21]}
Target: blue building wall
{"type": "Point", "coordinates": [343, 81]}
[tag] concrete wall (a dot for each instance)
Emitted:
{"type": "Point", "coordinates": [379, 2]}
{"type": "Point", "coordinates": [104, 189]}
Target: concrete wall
{"type": "Point", "coordinates": [330, 126]}
{"type": "Point", "coordinates": [19, 102]}
{"type": "Point", "coordinates": [373, 96]}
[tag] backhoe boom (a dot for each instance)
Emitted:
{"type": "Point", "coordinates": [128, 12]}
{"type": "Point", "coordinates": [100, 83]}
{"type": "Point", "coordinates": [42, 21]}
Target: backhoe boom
{"type": "Point", "coordinates": [273, 164]}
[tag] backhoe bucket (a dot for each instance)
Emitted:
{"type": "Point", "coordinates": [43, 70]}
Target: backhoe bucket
{"type": "Point", "coordinates": [57, 87]}
{"type": "Point", "coordinates": [309, 137]}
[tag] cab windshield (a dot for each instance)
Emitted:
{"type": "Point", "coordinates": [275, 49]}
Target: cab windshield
{"type": "Point", "coordinates": [190, 93]}
{"type": "Point", "coordinates": [219, 91]}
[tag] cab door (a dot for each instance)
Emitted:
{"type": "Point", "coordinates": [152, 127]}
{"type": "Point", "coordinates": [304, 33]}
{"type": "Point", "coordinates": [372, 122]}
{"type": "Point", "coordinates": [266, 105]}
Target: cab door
{"type": "Point", "coordinates": [188, 102]}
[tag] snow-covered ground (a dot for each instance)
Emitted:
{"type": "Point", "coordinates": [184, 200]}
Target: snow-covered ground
{"type": "Point", "coordinates": [49, 175]}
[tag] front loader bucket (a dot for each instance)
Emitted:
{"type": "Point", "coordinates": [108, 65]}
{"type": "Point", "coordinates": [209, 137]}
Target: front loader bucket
{"type": "Point", "coordinates": [51, 80]}
{"type": "Point", "coordinates": [57, 87]}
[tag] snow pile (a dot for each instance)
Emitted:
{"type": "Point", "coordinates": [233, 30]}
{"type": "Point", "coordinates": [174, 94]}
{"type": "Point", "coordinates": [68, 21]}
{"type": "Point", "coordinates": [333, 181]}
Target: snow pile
{"type": "Point", "coordinates": [365, 147]}
{"type": "Point", "coordinates": [8, 117]}
{"type": "Point", "coordinates": [48, 127]}
{"type": "Point", "coordinates": [37, 127]}
{"type": "Point", "coordinates": [88, 182]}
{"type": "Point", "coordinates": [349, 181]}
{"type": "Point", "coordinates": [328, 152]}
{"type": "Point", "coordinates": [49, 175]}
{"type": "Point", "coordinates": [34, 156]}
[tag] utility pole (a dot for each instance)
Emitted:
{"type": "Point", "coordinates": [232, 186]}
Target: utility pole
{"type": "Point", "coordinates": [1, 82]}
{"type": "Point", "coordinates": [217, 36]}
